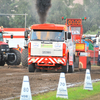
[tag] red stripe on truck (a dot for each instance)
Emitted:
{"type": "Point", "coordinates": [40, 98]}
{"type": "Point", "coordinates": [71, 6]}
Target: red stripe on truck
{"type": "Point", "coordinates": [14, 36]}
{"type": "Point", "coordinates": [14, 29]}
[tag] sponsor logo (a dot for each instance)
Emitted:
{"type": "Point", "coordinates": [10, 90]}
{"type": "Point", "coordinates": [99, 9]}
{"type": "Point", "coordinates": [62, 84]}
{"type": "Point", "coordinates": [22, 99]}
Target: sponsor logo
{"type": "Point", "coordinates": [57, 45]}
{"type": "Point", "coordinates": [46, 46]}
{"type": "Point", "coordinates": [35, 45]}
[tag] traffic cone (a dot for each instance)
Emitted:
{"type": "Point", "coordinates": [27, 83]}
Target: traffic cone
{"type": "Point", "coordinates": [26, 91]}
{"type": "Point", "coordinates": [62, 89]}
{"type": "Point", "coordinates": [88, 82]}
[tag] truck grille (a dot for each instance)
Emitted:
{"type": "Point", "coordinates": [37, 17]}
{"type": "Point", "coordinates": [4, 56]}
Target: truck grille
{"type": "Point", "coordinates": [4, 48]}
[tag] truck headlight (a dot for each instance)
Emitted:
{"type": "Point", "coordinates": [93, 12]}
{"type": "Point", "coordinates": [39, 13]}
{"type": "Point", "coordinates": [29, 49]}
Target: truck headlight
{"type": "Point", "coordinates": [59, 60]}
{"type": "Point", "coordinates": [7, 49]}
{"type": "Point", "coordinates": [2, 49]}
{"type": "Point", "coordinates": [33, 59]}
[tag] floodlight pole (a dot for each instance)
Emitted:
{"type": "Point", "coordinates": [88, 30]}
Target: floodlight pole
{"type": "Point", "coordinates": [25, 21]}
{"type": "Point", "coordinates": [15, 14]}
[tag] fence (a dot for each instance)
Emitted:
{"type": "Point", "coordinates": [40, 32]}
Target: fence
{"type": "Point", "coordinates": [94, 55]}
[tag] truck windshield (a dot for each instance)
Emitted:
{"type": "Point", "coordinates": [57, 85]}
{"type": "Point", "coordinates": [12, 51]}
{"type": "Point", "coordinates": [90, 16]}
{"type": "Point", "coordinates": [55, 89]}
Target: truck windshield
{"type": "Point", "coordinates": [1, 37]}
{"type": "Point", "coordinates": [47, 35]}
{"type": "Point", "coordinates": [75, 30]}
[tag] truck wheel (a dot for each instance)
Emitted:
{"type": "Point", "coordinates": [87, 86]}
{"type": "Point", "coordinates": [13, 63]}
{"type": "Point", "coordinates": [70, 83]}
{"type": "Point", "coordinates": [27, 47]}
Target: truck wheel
{"type": "Point", "coordinates": [71, 69]}
{"type": "Point", "coordinates": [31, 67]}
{"type": "Point", "coordinates": [64, 68]}
{"type": "Point", "coordinates": [89, 65]}
{"type": "Point", "coordinates": [24, 57]}
{"type": "Point", "coordinates": [2, 63]}
{"type": "Point", "coordinates": [17, 58]}
{"type": "Point", "coordinates": [98, 63]}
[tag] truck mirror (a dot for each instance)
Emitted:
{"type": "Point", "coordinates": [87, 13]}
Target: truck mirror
{"type": "Point", "coordinates": [65, 35]}
{"type": "Point", "coordinates": [69, 35]}
{"type": "Point", "coordinates": [26, 34]}
{"type": "Point", "coordinates": [11, 36]}
{"type": "Point", "coordinates": [7, 41]}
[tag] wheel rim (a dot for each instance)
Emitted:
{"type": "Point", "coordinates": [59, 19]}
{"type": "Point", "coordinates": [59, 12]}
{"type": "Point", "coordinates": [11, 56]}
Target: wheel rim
{"type": "Point", "coordinates": [13, 60]}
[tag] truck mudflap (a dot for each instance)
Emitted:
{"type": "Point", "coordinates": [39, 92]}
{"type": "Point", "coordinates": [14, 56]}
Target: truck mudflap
{"type": "Point", "coordinates": [84, 62]}
{"type": "Point", "coordinates": [46, 61]}
{"type": "Point", "coordinates": [76, 63]}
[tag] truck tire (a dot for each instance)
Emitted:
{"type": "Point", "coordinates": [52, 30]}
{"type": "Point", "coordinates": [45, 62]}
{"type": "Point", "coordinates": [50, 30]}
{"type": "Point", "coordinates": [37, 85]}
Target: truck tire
{"type": "Point", "coordinates": [70, 69]}
{"type": "Point", "coordinates": [24, 57]}
{"type": "Point", "coordinates": [98, 63]}
{"type": "Point", "coordinates": [2, 63]}
{"type": "Point", "coordinates": [31, 67]}
{"type": "Point", "coordinates": [17, 59]}
{"type": "Point", "coordinates": [89, 65]}
{"type": "Point", "coordinates": [64, 68]}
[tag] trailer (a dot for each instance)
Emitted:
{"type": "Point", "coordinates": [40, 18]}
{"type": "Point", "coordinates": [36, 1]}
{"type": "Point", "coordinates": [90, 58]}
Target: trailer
{"type": "Point", "coordinates": [18, 37]}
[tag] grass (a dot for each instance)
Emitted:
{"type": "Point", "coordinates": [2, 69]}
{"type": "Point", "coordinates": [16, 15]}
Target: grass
{"type": "Point", "coordinates": [92, 32]}
{"type": "Point", "coordinates": [76, 93]}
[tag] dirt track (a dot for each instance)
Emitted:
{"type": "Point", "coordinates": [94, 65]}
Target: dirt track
{"type": "Point", "coordinates": [11, 80]}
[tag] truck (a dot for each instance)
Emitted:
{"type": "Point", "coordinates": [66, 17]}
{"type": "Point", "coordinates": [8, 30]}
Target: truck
{"type": "Point", "coordinates": [93, 49]}
{"type": "Point", "coordinates": [9, 56]}
{"type": "Point", "coordinates": [48, 48]}
{"type": "Point", "coordinates": [18, 37]}
{"type": "Point", "coordinates": [82, 56]}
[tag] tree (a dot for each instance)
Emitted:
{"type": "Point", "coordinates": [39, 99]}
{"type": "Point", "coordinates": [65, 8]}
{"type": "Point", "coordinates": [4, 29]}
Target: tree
{"type": "Point", "coordinates": [57, 11]}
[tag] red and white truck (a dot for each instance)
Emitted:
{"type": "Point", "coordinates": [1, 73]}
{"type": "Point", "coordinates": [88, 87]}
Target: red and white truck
{"type": "Point", "coordinates": [48, 48]}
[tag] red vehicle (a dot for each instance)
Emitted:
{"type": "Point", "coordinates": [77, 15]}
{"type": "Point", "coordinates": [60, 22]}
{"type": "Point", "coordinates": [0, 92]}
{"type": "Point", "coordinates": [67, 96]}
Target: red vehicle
{"type": "Point", "coordinates": [8, 55]}
{"type": "Point", "coordinates": [48, 48]}
{"type": "Point", "coordinates": [82, 57]}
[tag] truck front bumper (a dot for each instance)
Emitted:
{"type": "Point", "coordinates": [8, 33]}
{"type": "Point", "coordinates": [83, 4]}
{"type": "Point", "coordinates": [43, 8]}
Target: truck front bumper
{"type": "Point", "coordinates": [47, 61]}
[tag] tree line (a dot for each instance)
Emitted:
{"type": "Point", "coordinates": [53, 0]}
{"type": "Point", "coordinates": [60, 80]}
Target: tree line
{"type": "Point", "coordinates": [58, 9]}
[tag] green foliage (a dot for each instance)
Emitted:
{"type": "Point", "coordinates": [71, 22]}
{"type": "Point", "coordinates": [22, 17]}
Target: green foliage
{"type": "Point", "coordinates": [59, 9]}
{"type": "Point", "coordinates": [93, 32]}
{"type": "Point", "coordinates": [93, 28]}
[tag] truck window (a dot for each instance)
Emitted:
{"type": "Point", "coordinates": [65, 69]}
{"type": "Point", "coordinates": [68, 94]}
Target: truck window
{"type": "Point", "coordinates": [75, 30]}
{"type": "Point", "coordinates": [47, 35]}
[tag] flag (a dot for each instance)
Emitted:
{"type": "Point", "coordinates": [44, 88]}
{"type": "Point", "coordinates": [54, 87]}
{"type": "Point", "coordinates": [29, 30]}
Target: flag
{"type": "Point", "coordinates": [91, 47]}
